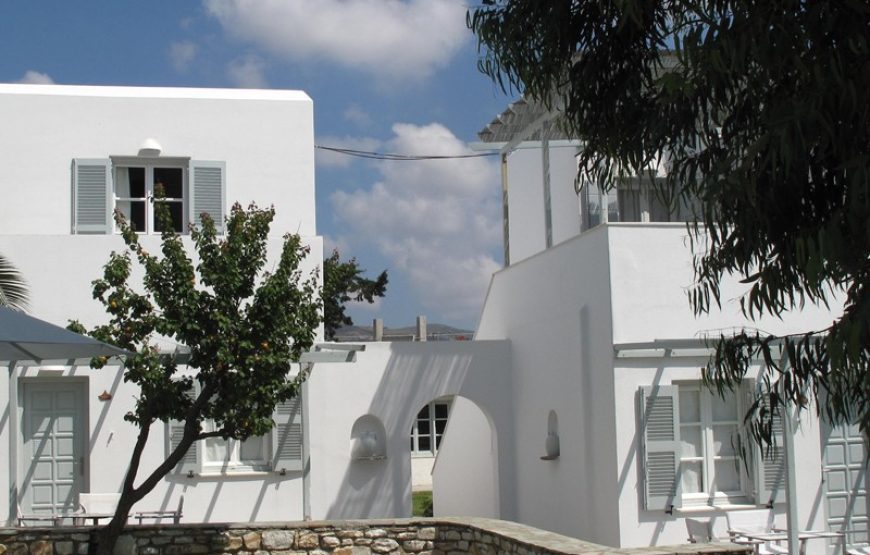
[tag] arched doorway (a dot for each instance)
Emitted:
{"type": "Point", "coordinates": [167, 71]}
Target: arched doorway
{"type": "Point", "coordinates": [454, 456]}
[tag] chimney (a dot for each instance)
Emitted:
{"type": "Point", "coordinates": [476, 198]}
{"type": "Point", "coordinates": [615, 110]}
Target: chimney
{"type": "Point", "coordinates": [377, 329]}
{"type": "Point", "coordinates": [421, 328]}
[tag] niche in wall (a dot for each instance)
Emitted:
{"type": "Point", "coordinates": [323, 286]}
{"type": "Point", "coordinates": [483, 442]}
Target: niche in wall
{"type": "Point", "coordinates": [368, 439]}
{"type": "Point", "coordinates": [551, 444]}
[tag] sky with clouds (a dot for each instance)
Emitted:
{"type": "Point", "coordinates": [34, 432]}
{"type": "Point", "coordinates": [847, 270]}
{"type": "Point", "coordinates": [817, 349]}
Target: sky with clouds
{"type": "Point", "coordinates": [394, 76]}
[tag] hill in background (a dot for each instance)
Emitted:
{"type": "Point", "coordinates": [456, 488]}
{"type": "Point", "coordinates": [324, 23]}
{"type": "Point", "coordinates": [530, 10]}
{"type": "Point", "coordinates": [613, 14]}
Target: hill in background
{"type": "Point", "coordinates": [435, 332]}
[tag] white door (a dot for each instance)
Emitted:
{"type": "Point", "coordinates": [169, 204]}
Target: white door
{"type": "Point", "coordinates": [845, 475]}
{"type": "Point", "coordinates": [53, 446]}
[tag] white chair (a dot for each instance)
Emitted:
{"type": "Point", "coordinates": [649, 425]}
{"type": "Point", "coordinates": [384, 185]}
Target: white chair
{"type": "Point", "coordinates": [754, 521]}
{"type": "Point", "coordinates": [160, 515]}
{"type": "Point", "coordinates": [700, 531]}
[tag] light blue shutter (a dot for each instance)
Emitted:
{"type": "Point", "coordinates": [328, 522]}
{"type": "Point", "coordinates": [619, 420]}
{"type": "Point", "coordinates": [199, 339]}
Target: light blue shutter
{"type": "Point", "coordinates": [92, 196]}
{"type": "Point", "coordinates": [208, 192]}
{"type": "Point", "coordinates": [659, 409]}
{"type": "Point", "coordinates": [174, 433]}
{"type": "Point", "coordinates": [769, 461]}
{"type": "Point", "coordinates": [287, 436]}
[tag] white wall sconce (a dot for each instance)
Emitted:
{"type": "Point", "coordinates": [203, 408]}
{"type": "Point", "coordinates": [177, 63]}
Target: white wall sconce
{"type": "Point", "coordinates": [368, 439]}
{"type": "Point", "coordinates": [150, 148]}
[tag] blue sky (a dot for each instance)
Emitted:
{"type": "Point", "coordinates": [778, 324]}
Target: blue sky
{"type": "Point", "coordinates": [385, 75]}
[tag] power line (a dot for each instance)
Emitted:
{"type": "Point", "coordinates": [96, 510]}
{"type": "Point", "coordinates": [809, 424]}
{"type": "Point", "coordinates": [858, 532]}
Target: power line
{"type": "Point", "coordinates": [401, 157]}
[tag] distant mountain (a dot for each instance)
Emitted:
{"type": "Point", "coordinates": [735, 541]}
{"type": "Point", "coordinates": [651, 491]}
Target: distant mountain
{"type": "Point", "coordinates": [435, 332]}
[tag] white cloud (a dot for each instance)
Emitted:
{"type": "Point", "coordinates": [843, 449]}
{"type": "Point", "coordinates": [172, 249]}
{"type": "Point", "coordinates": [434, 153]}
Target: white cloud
{"type": "Point", "coordinates": [32, 77]}
{"type": "Point", "coordinates": [436, 220]}
{"type": "Point", "coordinates": [356, 115]}
{"type": "Point", "coordinates": [327, 158]}
{"type": "Point", "coordinates": [248, 72]}
{"type": "Point", "coordinates": [396, 39]}
{"type": "Point", "coordinates": [182, 54]}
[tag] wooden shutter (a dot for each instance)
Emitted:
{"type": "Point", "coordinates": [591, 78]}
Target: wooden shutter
{"type": "Point", "coordinates": [208, 192]}
{"type": "Point", "coordinates": [174, 433]}
{"type": "Point", "coordinates": [659, 410]}
{"type": "Point", "coordinates": [92, 196]}
{"type": "Point", "coordinates": [769, 461]}
{"type": "Point", "coordinates": [287, 436]}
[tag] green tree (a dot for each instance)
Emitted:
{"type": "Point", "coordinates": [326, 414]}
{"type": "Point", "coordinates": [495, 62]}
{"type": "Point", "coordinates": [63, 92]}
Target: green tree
{"type": "Point", "coordinates": [763, 111]}
{"type": "Point", "coordinates": [344, 282]}
{"type": "Point", "coordinates": [243, 327]}
{"type": "Point", "coordinates": [13, 288]}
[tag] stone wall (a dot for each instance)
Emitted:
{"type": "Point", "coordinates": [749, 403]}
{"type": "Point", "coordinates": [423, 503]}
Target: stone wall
{"type": "Point", "coordinates": [448, 536]}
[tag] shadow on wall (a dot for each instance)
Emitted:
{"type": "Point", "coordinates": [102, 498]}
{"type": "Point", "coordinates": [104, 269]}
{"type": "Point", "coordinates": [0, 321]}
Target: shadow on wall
{"type": "Point", "coordinates": [415, 374]}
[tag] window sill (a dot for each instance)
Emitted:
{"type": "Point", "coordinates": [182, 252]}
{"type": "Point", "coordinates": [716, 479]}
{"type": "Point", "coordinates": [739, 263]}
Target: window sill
{"type": "Point", "coordinates": [692, 509]}
{"type": "Point", "coordinates": [242, 473]}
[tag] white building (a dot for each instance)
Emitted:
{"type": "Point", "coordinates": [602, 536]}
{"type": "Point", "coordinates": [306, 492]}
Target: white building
{"type": "Point", "coordinates": [594, 304]}
{"type": "Point", "coordinates": [589, 315]}
{"type": "Point", "coordinates": [73, 155]}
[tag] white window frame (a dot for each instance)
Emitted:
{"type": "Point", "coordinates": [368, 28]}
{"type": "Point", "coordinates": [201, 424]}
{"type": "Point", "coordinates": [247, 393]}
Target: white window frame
{"type": "Point", "coordinates": [233, 462]}
{"type": "Point", "coordinates": [707, 457]}
{"type": "Point", "coordinates": [433, 436]}
{"type": "Point", "coordinates": [149, 165]}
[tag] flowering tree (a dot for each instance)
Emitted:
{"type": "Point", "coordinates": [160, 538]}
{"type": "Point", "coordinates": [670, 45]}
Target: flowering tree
{"type": "Point", "coordinates": [243, 327]}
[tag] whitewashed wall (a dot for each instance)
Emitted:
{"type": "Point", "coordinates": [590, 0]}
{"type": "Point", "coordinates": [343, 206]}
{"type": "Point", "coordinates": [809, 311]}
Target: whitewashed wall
{"type": "Point", "coordinates": [555, 309]}
{"type": "Point", "coordinates": [464, 478]}
{"type": "Point", "coordinates": [563, 310]}
{"type": "Point", "coordinates": [525, 203]}
{"type": "Point", "coordinates": [265, 137]}
{"type": "Point", "coordinates": [60, 290]}
{"type": "Point", "coordinates": [650, 272]}
{"type": "Point", "coordinates": [390, 381]}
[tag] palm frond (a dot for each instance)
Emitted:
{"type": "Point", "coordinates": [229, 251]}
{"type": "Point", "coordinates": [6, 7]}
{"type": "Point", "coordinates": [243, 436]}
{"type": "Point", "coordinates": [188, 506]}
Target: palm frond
{"type": "Point", "coordinates": [13, 287]}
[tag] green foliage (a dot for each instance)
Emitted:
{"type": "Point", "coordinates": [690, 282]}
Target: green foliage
{"type": "Point", "coordinates": [13, 288]}
{"type": "Point", "coordinates": [344, 282]}
{"type": "Point", "coordinates": [762, 111]}
{"type": "Point", "coordinates": [422, 503]}
{"type": "Point", "coordinates": [243, 326]}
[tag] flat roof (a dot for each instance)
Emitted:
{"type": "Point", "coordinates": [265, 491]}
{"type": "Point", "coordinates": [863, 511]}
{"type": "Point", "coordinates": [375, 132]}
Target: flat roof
{"type": "Point", "coordinates": [153, 92]}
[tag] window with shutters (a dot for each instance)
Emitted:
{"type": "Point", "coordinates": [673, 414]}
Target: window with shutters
{"type": "Point", "coordinates": [188, 188]}
{"type": "Point", "coordinates": [693, 445]}
{"type": "Point", "coordinates": [280, 451]}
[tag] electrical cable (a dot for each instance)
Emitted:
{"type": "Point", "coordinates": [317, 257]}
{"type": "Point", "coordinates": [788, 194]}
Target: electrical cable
{"type": "Point", "coordinates": [401, 157]}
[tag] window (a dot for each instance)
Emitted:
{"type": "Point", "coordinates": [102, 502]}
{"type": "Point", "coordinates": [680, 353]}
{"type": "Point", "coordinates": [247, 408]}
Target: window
{"type": "Point", "coordinates": [691, 450]}
{"type": "Point", "coordinates": [137, 183]}
{"type": "Point", "coordinates": [280, 451]}
{"type": "Point", "coordinates": [190, 189]}
{"type": "Point", "coordinates": [633, 200]}
{"type": "Point", "coordinates": [710, 466]}
{"type": "Point", "coordinates": [429, 427]}
{"type": "Point", "coordinates": [221, 454]}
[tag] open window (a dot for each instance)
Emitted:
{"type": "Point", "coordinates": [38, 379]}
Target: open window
{"type": "Point", "coordinates": [692, 444]}
{"type": "Point", "coordinates": [188, 188]}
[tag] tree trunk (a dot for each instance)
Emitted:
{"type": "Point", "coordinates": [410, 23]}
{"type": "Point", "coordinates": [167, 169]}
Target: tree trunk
{"type": "Point", "coordinates": [130, 495]}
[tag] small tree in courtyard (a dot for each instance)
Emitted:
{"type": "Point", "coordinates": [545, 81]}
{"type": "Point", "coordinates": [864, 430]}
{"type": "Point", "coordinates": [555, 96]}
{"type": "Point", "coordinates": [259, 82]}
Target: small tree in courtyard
{"type": "Point", "coordinates": [243, 326]}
